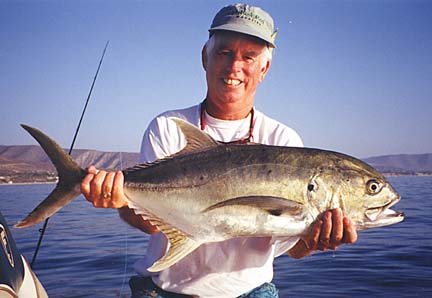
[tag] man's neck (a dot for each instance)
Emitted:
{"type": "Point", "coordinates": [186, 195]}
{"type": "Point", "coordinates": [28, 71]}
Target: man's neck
{"type": "Point", "coordinates": [234, 111]}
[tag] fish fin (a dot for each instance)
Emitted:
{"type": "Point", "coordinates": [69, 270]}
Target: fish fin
{"type": "Point", "coordinates": [180, 246]}
{"type": "Point", "coordinates": [137, 168]}
{"type": "Point", "coordinates": [197, 140]}
{"type": "Point", "coordinates": [56, 200]}
{"type": "Point", "coordinates": [70, 176]}
{"type": "Point", "coordinates": [147, 215]}
{"type": "Point", "coordinates": [273, 205]}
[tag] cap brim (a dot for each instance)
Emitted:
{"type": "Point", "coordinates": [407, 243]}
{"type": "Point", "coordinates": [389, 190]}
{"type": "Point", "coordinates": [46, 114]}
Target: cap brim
{"type": "Point", "coordinates": [245, 30]}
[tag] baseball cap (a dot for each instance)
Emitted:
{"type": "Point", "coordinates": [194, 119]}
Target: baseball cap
{"type": "Point", "coordinates": [245, 19]}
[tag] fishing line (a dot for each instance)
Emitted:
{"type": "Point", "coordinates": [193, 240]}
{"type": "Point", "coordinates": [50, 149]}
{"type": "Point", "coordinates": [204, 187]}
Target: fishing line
{"type": "Point", "coordinates": [125, 261]}
{"type": "Point", "coordinates": [126, 244]}
{"type": "Point", "coordinates": [43, 229]}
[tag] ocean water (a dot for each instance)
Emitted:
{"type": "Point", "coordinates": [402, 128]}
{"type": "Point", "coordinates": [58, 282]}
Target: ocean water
{"type": "Point", "coordinates": [88, 252]}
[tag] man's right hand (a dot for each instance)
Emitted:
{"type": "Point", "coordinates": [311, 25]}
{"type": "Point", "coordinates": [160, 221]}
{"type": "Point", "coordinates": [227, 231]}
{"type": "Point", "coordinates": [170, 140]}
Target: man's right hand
{"type": "Point", "coordinates": [104, 189]}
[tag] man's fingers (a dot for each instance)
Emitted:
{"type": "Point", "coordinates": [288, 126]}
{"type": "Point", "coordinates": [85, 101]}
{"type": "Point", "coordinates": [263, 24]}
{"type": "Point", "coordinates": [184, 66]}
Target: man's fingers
{"type": "Point", "coordinates": [92, 170]}
{"type": "Point", "coordinates": [107, 185]}
{"type": "Point", "coordinates": [104, 189]}
{"type": "Point", "coordinates": [329, 231]}
{"type": "Point", "coordinates": [350, 234]}
{"type": "Point", "coordinates": [312, 238]}
{"type": "Point", "coordinates": [326, 230]}
{"type": "Point", "coordinates": [117, 190]}
{"type": "Point", "coordinates": [337, 228]}
{"type": "Point", "coordinates": [85, 184]}
{"type": "Point", "coordinates": [96, 192]}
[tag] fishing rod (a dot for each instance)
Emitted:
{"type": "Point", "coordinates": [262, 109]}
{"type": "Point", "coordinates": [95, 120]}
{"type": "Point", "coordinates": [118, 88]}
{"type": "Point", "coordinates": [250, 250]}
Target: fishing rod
{"type": "Point", "coordinates": [43, 229]}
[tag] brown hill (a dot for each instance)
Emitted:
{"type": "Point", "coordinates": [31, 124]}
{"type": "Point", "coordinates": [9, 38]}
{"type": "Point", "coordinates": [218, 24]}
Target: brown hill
{"type": "Point", "coordinates": [31, 164]}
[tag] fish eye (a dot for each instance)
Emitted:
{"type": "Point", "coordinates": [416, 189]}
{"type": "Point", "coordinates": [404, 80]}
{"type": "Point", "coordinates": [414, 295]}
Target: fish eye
{"type": "Point", "coordinates": [373, 186]}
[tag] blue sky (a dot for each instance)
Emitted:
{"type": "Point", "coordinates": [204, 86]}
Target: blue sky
{"type": "Point", "coordinates": [351, 76]}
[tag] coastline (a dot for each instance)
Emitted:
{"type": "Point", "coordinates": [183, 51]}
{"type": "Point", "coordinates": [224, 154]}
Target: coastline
{"type": "Point", "coordinates": [27, 183]}
{"type": "Point", "coordinates": [406, 174]}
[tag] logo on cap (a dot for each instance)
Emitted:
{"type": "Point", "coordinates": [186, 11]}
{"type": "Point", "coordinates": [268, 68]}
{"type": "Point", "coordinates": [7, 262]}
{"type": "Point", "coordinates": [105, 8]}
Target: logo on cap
{"type": "Point", "coordinates": [245, 19]}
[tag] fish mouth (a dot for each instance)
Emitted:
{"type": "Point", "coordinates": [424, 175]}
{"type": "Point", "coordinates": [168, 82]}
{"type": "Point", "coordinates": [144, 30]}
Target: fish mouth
{"type": "Point", "coordinates": [382, 216]}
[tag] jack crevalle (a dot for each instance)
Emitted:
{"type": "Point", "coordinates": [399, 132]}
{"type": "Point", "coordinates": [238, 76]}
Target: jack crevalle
{"type": "Point", "coordinates": [212, 192]}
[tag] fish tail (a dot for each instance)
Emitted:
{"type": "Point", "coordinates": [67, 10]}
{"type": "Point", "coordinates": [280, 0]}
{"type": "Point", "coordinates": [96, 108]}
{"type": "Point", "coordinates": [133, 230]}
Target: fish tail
{"type": "Point", "coordinates": [68, 186]}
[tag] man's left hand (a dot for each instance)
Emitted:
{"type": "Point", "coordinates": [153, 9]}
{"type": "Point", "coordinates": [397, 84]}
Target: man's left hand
{"type": "Point", "coordinates": [328, 232]}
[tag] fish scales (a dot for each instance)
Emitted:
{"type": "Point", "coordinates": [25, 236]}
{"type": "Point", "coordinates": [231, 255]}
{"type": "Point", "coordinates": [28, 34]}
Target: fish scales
{"type": "Point", "coordinates": [239, 172]}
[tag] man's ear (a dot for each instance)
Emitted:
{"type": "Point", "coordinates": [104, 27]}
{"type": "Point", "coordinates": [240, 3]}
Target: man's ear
{"type": "Point", "coordinates": [204, 57]}
{"type": "Point", "coordinates": [264, 70]}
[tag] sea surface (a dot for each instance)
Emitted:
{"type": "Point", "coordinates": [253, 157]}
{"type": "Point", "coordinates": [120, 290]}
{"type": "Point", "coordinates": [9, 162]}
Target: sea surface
{"type": "Point", "coordinates": [88, 252]}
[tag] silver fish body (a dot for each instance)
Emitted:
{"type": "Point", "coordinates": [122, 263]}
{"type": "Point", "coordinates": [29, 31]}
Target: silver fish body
{"type": "Point", "coordinates": [211, 192]}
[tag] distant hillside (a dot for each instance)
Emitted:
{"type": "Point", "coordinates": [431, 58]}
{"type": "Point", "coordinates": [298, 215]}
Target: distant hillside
{"type": "Point", "coordinates": [30, 163]}
{"type": "Point", "coordinates": [402, 163]}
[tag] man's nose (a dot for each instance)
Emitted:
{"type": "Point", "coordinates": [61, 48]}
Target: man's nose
{"type": "Point", "coordinates": [234, 64]}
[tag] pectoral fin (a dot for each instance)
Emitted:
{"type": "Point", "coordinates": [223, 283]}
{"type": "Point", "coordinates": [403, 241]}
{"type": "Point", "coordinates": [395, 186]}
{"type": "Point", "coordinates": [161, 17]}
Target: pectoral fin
{"type": "Point", "coordinates": [180, 247]}
{"type": "Point", "coordinates": [274, 205]}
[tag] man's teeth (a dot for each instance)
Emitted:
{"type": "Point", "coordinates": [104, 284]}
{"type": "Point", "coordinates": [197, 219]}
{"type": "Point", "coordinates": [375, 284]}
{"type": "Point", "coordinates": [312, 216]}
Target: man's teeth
{"type": "Point", "coordinates": [232, 82]}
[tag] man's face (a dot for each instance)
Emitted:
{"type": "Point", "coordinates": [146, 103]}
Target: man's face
{"type": "Point", "coordinates": [234, 68]}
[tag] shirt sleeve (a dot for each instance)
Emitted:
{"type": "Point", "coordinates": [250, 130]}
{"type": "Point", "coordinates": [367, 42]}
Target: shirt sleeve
{"type": "Point", "coordinates": [273, 132]}
{"type": "Point", "coordinates": [161, 139]}
{"type": "Point", "coordinates": [286, 136]}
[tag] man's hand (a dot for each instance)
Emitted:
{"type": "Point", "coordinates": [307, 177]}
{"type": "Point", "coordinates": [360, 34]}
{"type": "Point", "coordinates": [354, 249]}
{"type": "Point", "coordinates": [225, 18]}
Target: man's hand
{"type": "Point", "coordinates": [328, 232]}
{"type": "Point", "coordinates": [104, 189]}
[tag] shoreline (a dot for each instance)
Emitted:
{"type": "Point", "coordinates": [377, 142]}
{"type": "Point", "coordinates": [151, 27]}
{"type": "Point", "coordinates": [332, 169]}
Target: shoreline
{"type": "Point", "coordinates": [404, 174]}
{"type": "Point", "coordinates": [28, 183]}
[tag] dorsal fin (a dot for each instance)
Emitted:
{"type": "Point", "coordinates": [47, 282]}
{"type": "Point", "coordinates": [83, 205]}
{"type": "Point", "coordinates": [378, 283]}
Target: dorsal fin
{"type": "Point", "coordinates": [197, 140]}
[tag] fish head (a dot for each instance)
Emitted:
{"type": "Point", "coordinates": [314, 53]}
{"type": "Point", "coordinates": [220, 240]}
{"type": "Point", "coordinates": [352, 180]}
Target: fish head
{"type": "Point", "coordinates": [366, 197]}
{"type": "Point", "coordinates": [374, 209]}
{"type": "Point", "coordinates": [363, 194]}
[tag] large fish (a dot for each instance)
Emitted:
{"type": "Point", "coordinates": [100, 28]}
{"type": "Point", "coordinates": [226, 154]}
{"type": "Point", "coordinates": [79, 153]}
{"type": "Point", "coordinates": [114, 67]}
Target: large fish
{"type": "Point", "coordinates": [211, 192]}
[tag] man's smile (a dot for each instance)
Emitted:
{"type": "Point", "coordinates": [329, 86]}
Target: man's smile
{"type": "Point", "coordinates": [232, 82]}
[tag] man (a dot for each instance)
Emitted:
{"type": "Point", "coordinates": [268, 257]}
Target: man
{"type": "Point", "coordinates": [236, 59]}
